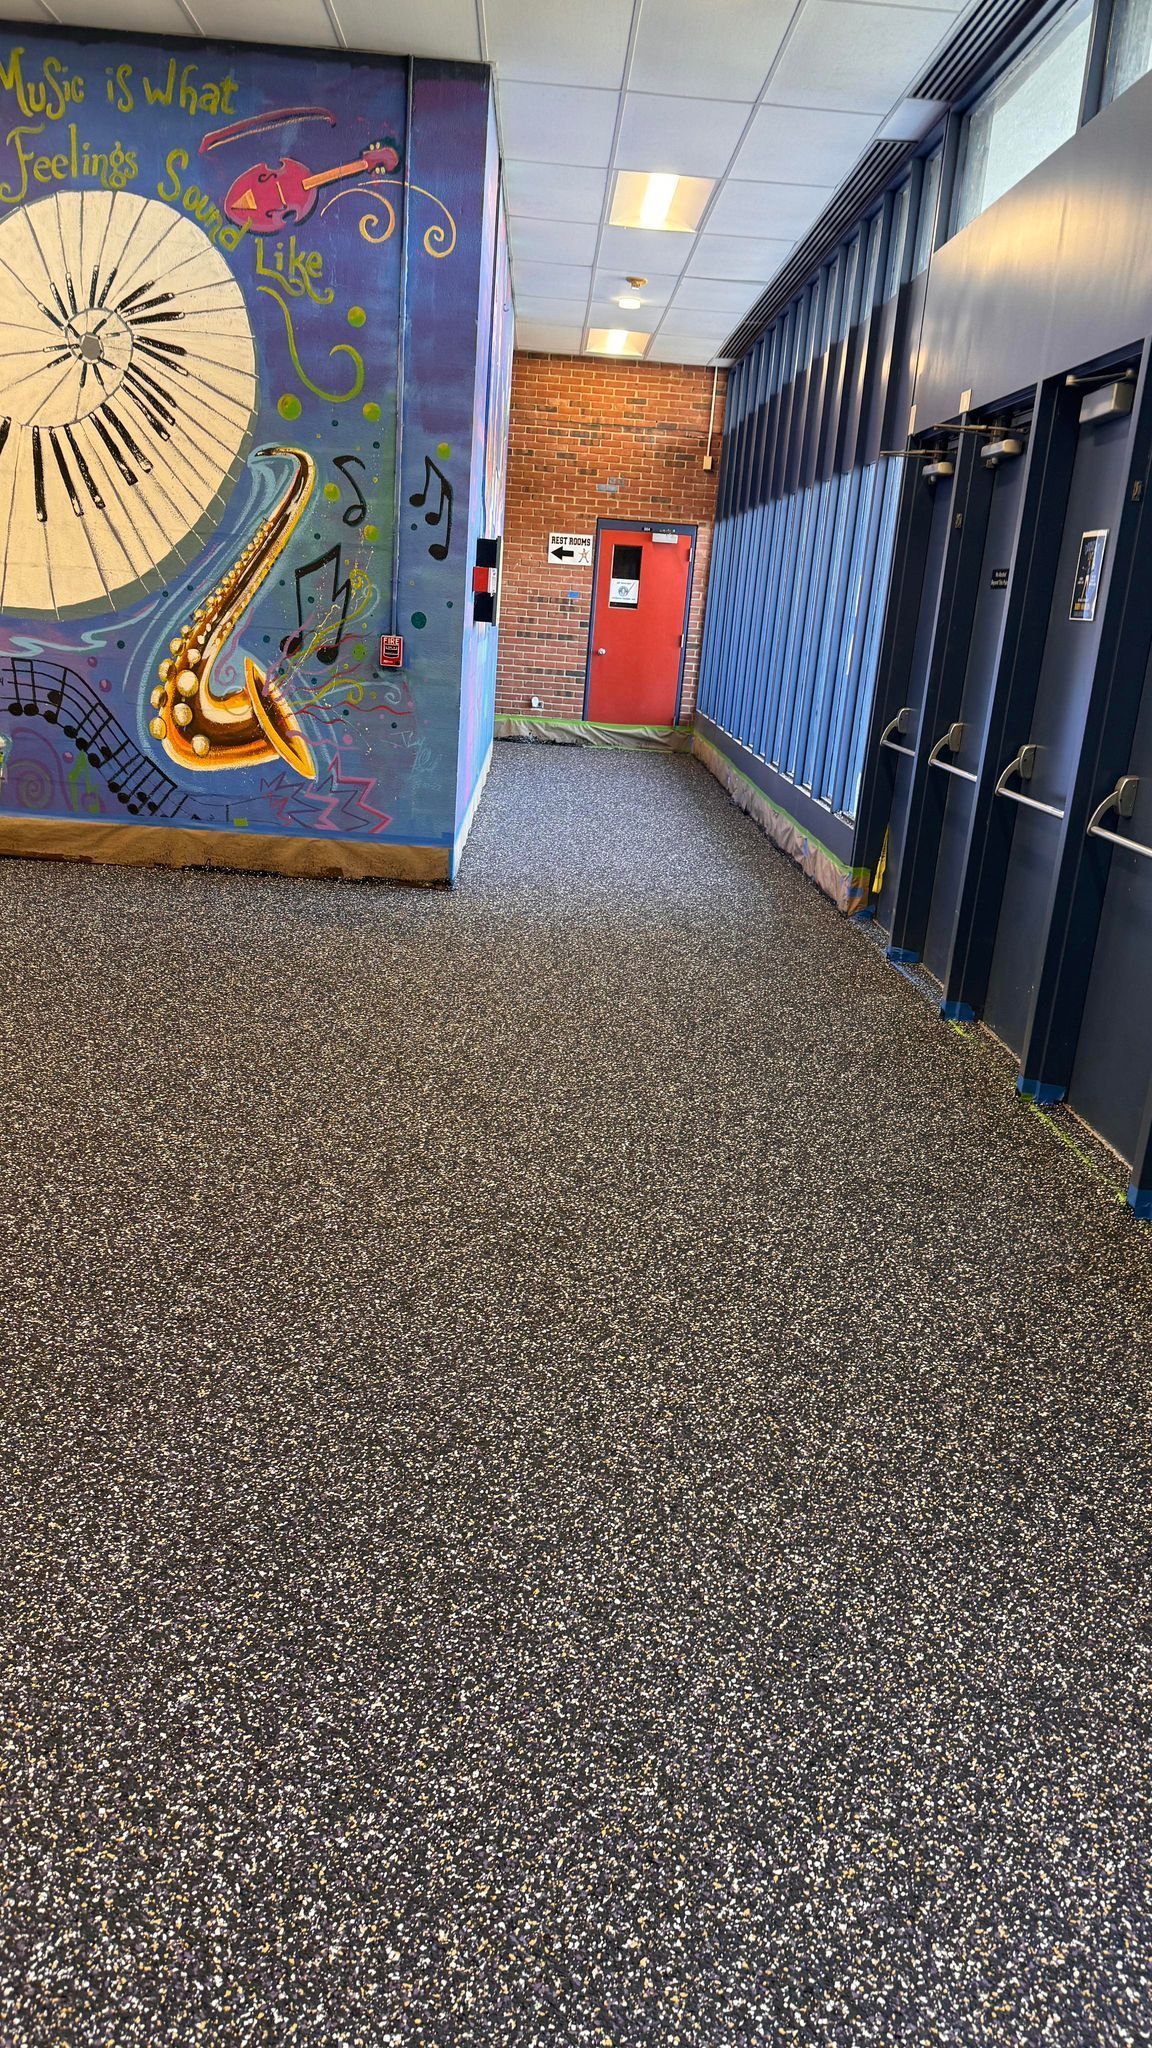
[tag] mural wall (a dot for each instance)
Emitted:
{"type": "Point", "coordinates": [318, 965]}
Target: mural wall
{"type": "Point", "coordinates": [240, 287]}
{"type": "Point", "coordinates": [489, 434]}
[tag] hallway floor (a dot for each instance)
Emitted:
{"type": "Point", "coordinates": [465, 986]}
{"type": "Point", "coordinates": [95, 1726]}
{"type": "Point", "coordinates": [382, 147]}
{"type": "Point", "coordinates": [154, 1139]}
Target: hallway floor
{"type": "Point", "coordinates": [575, 1469]}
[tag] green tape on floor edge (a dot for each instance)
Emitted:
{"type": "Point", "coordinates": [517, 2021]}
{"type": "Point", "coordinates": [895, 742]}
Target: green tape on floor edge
{"type": "Point", "coordinates": [847, 887]}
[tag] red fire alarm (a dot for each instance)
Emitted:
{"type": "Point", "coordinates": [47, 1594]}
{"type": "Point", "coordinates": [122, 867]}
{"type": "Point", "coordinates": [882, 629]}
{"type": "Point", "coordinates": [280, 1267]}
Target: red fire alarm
{"type": "Point", "coordinates": [391, 650]}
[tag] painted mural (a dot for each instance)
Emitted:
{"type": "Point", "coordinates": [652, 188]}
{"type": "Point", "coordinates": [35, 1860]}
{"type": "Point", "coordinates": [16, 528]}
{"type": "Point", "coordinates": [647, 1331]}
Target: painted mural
{"type": "Point", "coordinates": [200, 329]}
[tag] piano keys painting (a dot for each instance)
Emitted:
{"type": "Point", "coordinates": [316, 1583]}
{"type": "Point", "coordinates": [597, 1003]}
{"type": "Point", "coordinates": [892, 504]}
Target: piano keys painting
{"type": "Point", "coordinates": [210, 368]}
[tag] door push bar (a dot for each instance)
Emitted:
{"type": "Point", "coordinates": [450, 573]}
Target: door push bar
{"type": "Point", "coordinates": [898, 724]}
{"type": "Point", "coordinates": [1122, 800]}
{"type": "Point", "coordinates": [953, 739]}
{"type": "Point", "coordinates": [1023, 766]}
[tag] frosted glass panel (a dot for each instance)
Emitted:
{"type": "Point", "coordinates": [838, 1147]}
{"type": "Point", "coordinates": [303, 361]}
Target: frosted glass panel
{"type": "Point", "coordinates": [1027, 114]}
{"type": "Point", "coordinates": [1129, 46]}
{"type": "Point", "coordinates": [926, 218]}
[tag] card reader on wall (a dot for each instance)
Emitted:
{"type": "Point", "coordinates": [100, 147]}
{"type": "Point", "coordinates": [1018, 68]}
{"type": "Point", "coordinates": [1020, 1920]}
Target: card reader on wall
{"type": "Point", "coordinates": [485, 575]}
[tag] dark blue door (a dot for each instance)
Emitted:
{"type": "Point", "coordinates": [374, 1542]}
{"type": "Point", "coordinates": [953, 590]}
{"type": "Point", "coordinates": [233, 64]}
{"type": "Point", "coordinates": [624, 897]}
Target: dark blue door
{"type": "Point", "coordinates": [1055, 730]}
{"type": "Point", "coordinates": [1113, 1069]}
{"type": "Point", "coordinates": [987, 626]}
{"type": "Point", "coordinates": [941, 515]}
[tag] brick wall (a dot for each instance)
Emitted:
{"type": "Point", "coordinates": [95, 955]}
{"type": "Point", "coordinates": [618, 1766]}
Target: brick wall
{"type": "Point", "coordinates": [594, 439]}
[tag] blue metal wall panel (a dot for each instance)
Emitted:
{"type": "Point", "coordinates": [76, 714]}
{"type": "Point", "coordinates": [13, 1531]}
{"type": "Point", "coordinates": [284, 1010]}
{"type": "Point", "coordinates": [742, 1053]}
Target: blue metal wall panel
{"type": "Point", "coordinates": [805, 531]}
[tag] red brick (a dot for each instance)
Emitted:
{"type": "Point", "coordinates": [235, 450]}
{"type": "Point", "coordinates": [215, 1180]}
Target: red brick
{"type": "Point", "coordinates": [579, 424]}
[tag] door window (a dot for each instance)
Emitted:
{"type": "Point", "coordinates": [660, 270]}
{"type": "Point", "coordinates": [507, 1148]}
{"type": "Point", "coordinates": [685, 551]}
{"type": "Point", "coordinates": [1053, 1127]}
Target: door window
{"type": "Point", "coordinates": [624, 585]}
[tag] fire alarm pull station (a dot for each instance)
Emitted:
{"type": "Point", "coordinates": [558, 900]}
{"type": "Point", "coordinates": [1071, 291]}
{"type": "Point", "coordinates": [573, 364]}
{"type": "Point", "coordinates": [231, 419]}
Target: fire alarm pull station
{"type": "Point", "coordinates": [391, 650]}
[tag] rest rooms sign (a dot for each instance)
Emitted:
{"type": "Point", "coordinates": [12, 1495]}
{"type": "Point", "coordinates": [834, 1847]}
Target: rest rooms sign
{"type": "Point", "coordinates": [570, 550]}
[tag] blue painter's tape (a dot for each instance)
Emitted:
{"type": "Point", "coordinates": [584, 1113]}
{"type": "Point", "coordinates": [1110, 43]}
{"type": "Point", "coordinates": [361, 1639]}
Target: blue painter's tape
{"type": "Point", "coordinates": [902, 956]}
{"type": "Point", "coordinates": [958, 1013]}
{"type": "Point", "coordinates": [1039, 1091]}
{"type": "Point", "coordinates": [1140, 1202]}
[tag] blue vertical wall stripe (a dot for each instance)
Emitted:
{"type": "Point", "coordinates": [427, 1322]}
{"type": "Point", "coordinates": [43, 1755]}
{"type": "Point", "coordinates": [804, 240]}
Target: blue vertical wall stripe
{"type": "Point", "coordinates": [806, 522]}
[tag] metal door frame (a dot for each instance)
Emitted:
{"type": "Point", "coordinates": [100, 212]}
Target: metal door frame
{"type": "Point", "coordinates": [642, 526]}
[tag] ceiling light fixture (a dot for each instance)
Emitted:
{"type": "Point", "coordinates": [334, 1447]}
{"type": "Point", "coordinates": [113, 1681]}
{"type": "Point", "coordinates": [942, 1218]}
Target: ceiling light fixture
{"type": "Point", "coordinates": [656, 204]}
{"type": "Point", "coordinates": [616, 341]}
{"type": "Point", "coordinates": [659, 201]}
{"type": "Point", "coordinates": [629, 300]}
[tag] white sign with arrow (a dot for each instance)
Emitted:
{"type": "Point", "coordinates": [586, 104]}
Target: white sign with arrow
{"type": "Point", "coordinates": [570, 550]}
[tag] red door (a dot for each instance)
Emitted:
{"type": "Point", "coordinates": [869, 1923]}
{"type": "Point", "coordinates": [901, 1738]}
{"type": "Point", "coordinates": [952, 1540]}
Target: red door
{"type": "Point", "coordinates": [638, 622]}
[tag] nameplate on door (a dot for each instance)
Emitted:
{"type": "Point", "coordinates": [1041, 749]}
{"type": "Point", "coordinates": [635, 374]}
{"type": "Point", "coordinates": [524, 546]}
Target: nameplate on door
{"type": "Point", "coordinates": [999, 579]}
{"type": "Point", "coordinates": [623, 590]}
{"type": "Point", "coordinates": [1089, 568]}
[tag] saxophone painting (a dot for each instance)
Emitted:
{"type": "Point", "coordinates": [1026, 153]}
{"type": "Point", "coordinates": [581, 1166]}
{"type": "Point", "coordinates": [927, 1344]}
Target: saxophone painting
{"type": "Point", "coordinates": [200, 728]}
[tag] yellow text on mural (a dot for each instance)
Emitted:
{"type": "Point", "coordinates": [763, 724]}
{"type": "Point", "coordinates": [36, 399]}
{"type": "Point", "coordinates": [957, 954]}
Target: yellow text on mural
{"type": "Point", "coordinates": [297, 270]}
{"type": "Point", "coordinates": [112, 168]}
{"type": "Point", "coordinates": [51, 94]}
{"type": "Point", "coordinates": [196, 202]}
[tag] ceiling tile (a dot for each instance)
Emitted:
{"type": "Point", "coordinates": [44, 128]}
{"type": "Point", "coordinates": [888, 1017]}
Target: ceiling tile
{"type": "Point", "coordinates": [683, 48]}
{"type": "Point", "coordinates": [436, 28]}
{"type": "Point", "coordinates": [548, 312]}
{"type": "Point", "coordinates": [268, 21]}
{"type": "Point", "coordinates": [556, 124]}
{"type": "Point", "coordinates": [713, 295]}
{"type": "Point", "coordinates": [549, 339]}
{"type": "Point", "coordinates": [552, 280]}
{"type": "Point", "coordinates": [655, 291]}
{"type": "Point", "coordinates": [552, 241]}
{"type": "Point", "coordinates": [750, 257]}
{"type": "Point", "coordinates": [154, 17]}
{"type": "Point", "coordinates": [677, 348]}
{"type": "Point", "coordinates": [637, 319]}
{"type": "Point", "coordinates": [699, 325]}
{"type": "Point", "coordinates": [554, 191]}
{"type": "Point", "coordinates": [804, 145]}
{"type": "Point", "coordinates": [645, 252]}
{"type": "Point", "coordinates": [846, 53]}
{"type": "Point", "coordinates": [693, 139]}
{"type": "Point", "coordinates": [776, 212]}
{"type": "Point", "coordinates": [584, 42]}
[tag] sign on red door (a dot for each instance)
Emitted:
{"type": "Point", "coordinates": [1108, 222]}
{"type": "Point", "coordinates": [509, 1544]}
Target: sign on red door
{"type": "Point", "coordinates": [639, 620]}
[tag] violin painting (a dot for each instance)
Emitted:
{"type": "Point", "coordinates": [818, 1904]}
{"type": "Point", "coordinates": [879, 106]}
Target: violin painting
{"type": "Point", "coordinates": [266, 199]}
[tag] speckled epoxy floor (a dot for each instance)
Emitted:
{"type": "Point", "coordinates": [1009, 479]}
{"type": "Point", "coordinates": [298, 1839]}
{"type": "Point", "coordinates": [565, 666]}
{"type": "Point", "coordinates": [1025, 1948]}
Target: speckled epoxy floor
{"type": "Point", "coordinates": [574, 1469]}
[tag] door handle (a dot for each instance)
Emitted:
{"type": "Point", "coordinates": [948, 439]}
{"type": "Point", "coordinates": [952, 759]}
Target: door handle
{"type": "Point", "coordinates": [601, 650]}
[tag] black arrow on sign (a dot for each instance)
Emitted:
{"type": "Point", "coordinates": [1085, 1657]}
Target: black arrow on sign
{"type": "Point", "coordinates": [563, 554]}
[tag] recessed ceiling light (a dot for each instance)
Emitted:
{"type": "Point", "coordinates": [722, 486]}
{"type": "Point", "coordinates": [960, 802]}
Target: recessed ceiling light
{"type": "Point", "coordinates": [616, 341]}
{"type": "Point", "coordinates": [659, 201]}
{"type": "Point", "coordinates": [656, 204]}
{"type": "Point", "coordinates": [629, 302]}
